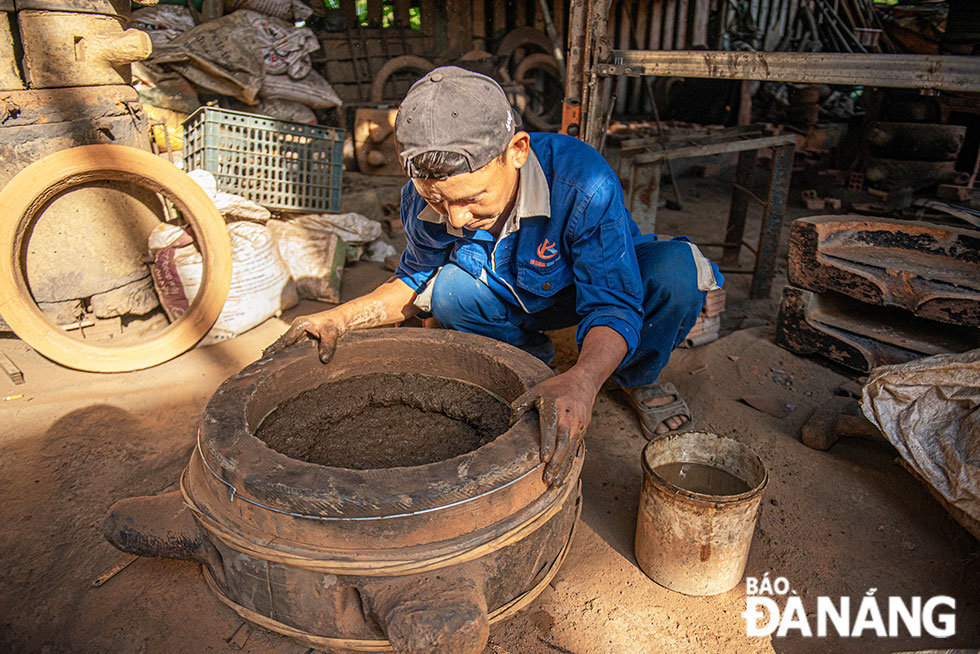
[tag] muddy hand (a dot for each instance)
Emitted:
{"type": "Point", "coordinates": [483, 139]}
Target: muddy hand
{"type": "Point", "coordinates": [326, 333]}
{"type": "Point", "coordinates": [564, 405]}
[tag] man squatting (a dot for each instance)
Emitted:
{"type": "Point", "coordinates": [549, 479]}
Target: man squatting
{"type": "Point", "coordinates": [510, 234]}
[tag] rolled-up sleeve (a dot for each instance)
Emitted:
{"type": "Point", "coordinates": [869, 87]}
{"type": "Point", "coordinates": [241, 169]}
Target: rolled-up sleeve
{"type": "Point", "coordinates": [427, 244]}
{"type": "Point", "coordinates": [607, 276]}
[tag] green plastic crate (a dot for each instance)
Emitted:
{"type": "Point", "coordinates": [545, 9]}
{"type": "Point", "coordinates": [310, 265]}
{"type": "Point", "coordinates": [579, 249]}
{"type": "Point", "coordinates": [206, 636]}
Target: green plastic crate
{"type": "Point", "coordinates": [282, 165]}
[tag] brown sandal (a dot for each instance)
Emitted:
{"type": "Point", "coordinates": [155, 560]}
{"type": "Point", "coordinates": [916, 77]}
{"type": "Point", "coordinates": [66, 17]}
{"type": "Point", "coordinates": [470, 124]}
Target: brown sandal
{"type": "Point", "coordinates": [651, 416]}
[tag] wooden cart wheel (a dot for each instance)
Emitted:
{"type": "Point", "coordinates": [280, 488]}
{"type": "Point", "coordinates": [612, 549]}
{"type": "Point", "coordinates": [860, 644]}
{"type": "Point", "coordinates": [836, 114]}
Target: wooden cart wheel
{"type": "Point", "coordinates": [25, 197]}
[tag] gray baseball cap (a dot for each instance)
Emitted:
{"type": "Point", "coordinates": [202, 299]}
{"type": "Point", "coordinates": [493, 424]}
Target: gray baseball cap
{"type": "Point", "coordinates": [452, 109]}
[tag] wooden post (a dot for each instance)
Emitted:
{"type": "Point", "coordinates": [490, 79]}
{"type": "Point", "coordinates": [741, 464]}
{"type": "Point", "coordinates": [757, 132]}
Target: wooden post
{"type": "Point", "coordinates": [402, 13]}
{"type": "Point", "coordinates": [745, 103]}
{"type": "Point", "coordinates": [479, 9]}
{"type": "Point", "coordinates": [499, 19]}
{"type": "Point", "coordinates": [558, 18]}
{"type": "Point", "coordinates": [622, 42]}
{"type": "Point", "coordinates": [680, 33]}
{"type": "Point", "coordinates": [699, 36]}
{"type": "Point", "coordinates": [459, 26]}
{"type": "Point", "coordinates": [374, 12]}
{"type": "Point", "coordinates": [640, 32]}
{"type": "Point", "coordinates": [349, 7]}
{"type": "Point", "coordinates": [670, 15]}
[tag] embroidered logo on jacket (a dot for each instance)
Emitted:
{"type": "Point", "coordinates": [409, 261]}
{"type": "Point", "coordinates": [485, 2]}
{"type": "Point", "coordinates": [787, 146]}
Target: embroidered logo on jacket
{"type": "Point", "coordinates": [547, 250]}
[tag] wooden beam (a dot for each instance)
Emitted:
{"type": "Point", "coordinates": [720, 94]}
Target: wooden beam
{"type": "Point", "coordinates": [946, 73]}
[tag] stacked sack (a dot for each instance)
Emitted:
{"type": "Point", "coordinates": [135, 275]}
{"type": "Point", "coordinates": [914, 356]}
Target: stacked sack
{"type": "Point", "coordinates": [220, 57]}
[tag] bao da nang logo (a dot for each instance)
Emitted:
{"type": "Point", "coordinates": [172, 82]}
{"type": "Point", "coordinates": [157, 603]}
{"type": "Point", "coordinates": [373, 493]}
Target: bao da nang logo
{"type": "Point", "coordinates": [773, 608]}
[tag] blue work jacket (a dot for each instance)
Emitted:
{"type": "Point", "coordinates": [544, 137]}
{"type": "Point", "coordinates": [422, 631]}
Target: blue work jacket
{"type": "Point", "coordinates": [587, 242]}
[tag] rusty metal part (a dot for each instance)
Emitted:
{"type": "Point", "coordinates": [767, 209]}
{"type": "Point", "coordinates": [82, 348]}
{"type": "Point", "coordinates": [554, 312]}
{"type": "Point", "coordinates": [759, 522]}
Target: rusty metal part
{"type": "Point", "coordinates": [571, 121]}
{"type": "Point", "coordinates": [412, 559]}
{"type": "Point", "coordinates": [930, 270]}
{"type": "Point", "coordinates": [919, 141]}
{"type": "Point", "coordinates": [944, 73]}
{"type": "Point", "coordinates": [392, 66]}
{"type": "Point", "coordinates": [859, 336]}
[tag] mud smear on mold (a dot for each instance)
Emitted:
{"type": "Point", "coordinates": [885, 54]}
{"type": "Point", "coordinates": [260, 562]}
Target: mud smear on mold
{"type": "Point", "coordinates": [384, 420]}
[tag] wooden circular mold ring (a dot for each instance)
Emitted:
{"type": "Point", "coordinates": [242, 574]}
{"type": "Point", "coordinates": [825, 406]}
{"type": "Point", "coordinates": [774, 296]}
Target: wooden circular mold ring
{"type": "Point", "coordinates": [25, 197]}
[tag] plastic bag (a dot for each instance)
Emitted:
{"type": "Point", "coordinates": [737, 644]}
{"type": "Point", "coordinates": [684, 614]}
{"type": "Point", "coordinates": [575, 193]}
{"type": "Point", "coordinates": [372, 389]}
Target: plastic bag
{"type": "Point", "coordinates": [929, 409]}
{"type": "Point", "coordinates": [354, 228]}
{"type": "Point", "coordinates": [260, 283]}
{"type": "Point", "coordinates": [315, 257]}
{"type": "Point", "coordinates": [229, 205]}
{"type": "Point", "coordinates": [379, 250]}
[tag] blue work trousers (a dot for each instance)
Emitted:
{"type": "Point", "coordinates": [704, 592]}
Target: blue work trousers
{"type": "Point", "coordinates": [671, 303]}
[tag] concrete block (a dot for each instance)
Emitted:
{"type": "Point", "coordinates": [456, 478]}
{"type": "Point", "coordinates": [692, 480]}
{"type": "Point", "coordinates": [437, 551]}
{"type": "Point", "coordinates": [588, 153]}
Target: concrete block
{"type": "Point", "coordinates": [9, 73]}
{"type": "Point", "coordinates": [119, 8]}
{"type": "Point", "coordinates": [63, 49]}
{"type": "Point", "coordinates": [137, 297]}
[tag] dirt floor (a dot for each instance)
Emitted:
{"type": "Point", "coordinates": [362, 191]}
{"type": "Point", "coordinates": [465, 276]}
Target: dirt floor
{"type": "Point", "coordinates": [836, 523]}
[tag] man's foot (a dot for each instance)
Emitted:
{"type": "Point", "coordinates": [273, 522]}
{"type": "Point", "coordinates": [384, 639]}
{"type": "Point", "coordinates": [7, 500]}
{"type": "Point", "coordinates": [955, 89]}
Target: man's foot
{"type": "Point", "coordinates": [659, 407]}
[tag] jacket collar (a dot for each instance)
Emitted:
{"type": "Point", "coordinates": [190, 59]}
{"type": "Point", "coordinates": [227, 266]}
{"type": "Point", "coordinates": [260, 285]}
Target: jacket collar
{"type": "Point", "coordinates": [533, 199]}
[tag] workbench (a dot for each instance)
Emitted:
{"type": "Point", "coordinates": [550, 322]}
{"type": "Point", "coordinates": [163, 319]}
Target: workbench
{"type": "Point", "coordinates": [640, 164]}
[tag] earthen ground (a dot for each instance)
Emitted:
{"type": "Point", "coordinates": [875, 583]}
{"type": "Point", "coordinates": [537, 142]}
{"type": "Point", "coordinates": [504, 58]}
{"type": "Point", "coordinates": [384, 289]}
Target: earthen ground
{"type": "Point", "coordinates": [835, 523]}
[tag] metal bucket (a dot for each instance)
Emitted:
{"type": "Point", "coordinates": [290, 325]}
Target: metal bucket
{"type": "Point", "coordinates": [693, 542]}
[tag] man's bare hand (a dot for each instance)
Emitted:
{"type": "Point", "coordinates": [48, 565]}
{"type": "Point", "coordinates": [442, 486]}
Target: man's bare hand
{"type": "Point", "coordinates": [564, 403]}
{"type": "Point", "coordinates": [324, 328]}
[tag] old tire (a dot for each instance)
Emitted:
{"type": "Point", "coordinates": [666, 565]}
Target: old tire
{"type": "Point", "coordinates": [24, 198]}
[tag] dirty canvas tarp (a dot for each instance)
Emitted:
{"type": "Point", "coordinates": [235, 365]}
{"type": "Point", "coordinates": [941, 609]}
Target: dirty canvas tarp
{"type": "Point", "coordinates": [930, 411]}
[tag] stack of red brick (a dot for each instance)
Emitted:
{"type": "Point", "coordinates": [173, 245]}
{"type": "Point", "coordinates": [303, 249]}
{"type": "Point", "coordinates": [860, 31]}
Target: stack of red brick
{"type": "Point", "coordinates": [706, 328]}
